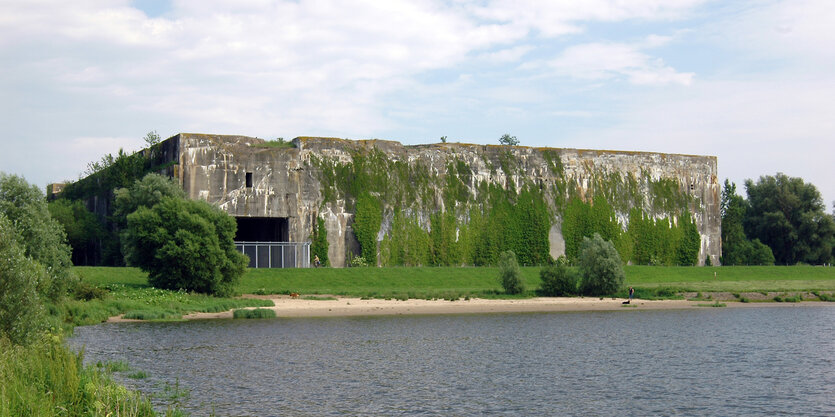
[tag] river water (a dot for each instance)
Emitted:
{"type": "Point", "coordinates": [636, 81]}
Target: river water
{"type": "Point", "coordinates": [711, 361]}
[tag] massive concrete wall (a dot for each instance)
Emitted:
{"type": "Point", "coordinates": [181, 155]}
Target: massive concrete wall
{"type": "Point", "coordinates": [286, 182]}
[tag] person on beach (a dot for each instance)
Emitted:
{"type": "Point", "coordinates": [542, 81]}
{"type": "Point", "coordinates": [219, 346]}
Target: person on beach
{"type": "Point", "coordinates": [631, 293]}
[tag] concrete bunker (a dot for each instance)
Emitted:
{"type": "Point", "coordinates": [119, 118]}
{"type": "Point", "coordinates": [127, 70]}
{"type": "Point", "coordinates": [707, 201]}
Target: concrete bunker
{"type": "Point", "coordinates": [265, 240]}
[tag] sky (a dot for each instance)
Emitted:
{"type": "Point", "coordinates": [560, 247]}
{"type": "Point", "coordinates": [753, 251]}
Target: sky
{"type": "Point", "coordinates": [750, 82]}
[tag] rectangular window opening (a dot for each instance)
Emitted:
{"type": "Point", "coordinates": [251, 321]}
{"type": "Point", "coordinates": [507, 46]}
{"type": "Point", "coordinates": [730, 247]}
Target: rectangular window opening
{"type": "Point", "coordinates": [248, 180]}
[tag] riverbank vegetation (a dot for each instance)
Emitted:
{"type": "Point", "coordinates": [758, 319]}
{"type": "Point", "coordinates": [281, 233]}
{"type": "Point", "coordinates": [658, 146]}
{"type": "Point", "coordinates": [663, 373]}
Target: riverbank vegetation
{"type": "Point", "coordinates": [445, 282]}
{"type": "Point", "coordinates": [42, 297]}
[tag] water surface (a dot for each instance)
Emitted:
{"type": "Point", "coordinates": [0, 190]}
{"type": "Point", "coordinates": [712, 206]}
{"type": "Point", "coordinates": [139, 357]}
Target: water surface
{"type": "Point", "coordinates": [714, 361]}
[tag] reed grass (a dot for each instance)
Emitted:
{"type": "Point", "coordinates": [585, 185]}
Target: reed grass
{"type": "Point", "coordinates": [47, 379]}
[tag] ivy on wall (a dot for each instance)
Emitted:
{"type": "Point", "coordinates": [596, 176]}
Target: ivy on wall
{"type": "Point", "coordinates": [319, 242]}
{"type": "Point", "coordinates": [449, 218]}
{"type": "Point", "coordinates": [645, 241]}
{"type": "Point", "coordinates": [367, 220]}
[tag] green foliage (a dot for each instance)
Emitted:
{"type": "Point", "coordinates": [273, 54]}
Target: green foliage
{"type": "Point", "coordinates": [788, 215]}
{"type": "Point", "coordinates": [152, 138]}
{"type": "Point", "coordinates": [508, 140]}
{"type": "Point", "coordinates": [319, 242]}
{"type": "Point", "coordinates": [143, 302]}
{"type": "Point", "coordinates": [689, 242]}
{"type": "Point", "coordinates": [21, 311]}
{"type": "Point", "coordinates": [510, 276]}
{"type": "Point", "coordinates": [277, 143]}
{"type": "Point", "coordinates": [601, 269]}
{"type": "Point", "coordinates": [582, 220]}
{"type": "Point", "coordinates": [446, 250]}
{"type": "Point", "coordinates": [666, 195]}
{"type": "Point", "coordinates": [367, 221]}
{"type": "Point", "coordinates": [737, 249]}
{"type": "Point", "coordinates": [100, 183]}
{"type": "Point", "coordinates": [558, 280]}
{"type": "Point", "coordinates": [406, 244]}
{"type": "Point", "coordinates": [257, 313]}
{"type": "Point", "coordinates": [646, 241]}
{"type": "Point", "coordinates": [507, 221]}
{"type": "Point", "coordinates": [185, 244]}
{"type": "Point", "coordinates": [82, 227]}
{"type": "Point", "coordinates": [47, 379]}
{"type": "Point", "coordinates": [145, 192]}
{"type": "Point", "coordinates": [41, 237]}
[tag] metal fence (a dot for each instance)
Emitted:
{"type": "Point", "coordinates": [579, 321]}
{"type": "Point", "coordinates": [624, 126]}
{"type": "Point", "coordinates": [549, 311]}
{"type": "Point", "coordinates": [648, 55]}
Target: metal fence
{"type": "Point", "coordinates": [276, 254]}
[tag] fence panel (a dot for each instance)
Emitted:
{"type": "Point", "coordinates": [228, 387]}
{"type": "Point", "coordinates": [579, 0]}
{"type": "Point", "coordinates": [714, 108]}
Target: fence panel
{"type": "Point", "coordinates": [276, 254]}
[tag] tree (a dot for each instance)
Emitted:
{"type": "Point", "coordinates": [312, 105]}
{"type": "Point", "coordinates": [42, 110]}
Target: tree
{"type": "Point", "coordinates": [558, 279]}
{"type": "Point", "coordinates": [42, 237]}
{"type": "Point", "coordinates": [508, 140]}
{"type": "Point", "coordinates": [147, 192]}
{"type": "Point", "coordinates": [509, 274]}
{"type": "Point", "coordinates": [788, 215]}
{"type": "Point", "coordinates": [21, 311]}
{"type": "Point", "coordinates": [152, 138]}
{"type": "Point", "coordinates": [82, 227]}
{"type": "Point", "coordinates": [737, 249]}
{"type": "Point", "coordinates": [601, 269]}
{"type": "Point", "coordinates": [443, 139]}
{"type": "Point", "coordinates": [185, 245]}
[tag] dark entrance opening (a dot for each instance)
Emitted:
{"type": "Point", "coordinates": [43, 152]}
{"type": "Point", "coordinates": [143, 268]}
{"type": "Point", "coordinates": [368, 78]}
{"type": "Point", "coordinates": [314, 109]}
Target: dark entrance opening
{"type": "Point", "coordinates": [263, 229]}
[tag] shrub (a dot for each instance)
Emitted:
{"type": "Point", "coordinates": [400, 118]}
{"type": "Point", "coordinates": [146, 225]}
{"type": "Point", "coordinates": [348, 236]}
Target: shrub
{"type": "Point", "coordinates": [509, 274]}
{"type": "Point", "coordinates": [42, 238]}
{"type": "Point", "coordinates": [558, 280]}
{"type": "Point", "coordinates": [21, 311]}
{"type": "Point", "coordinates": [187, 245]}
{"type": "Point", "coordinates": [258, 313]}
{"type": "Point", "coordinates": [601, 269]}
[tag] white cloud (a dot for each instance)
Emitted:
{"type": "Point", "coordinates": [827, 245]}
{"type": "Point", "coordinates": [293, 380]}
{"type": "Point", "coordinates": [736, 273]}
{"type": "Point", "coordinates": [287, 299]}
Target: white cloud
{"type": "Point", "coordinates": [559, 18]}
{"type": "Point", "coordinates": [506, 55]}
{"type": "Point", "coordinates": [602, 61]}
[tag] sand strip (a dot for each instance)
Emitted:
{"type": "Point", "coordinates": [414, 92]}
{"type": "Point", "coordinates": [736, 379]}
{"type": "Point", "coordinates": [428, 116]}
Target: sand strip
{"type": "Point", "coordinates": [345, 307]}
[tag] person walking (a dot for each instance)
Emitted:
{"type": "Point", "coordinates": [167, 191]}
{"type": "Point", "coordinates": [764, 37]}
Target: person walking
{"type": "Point", "coordinates": [631, 294]}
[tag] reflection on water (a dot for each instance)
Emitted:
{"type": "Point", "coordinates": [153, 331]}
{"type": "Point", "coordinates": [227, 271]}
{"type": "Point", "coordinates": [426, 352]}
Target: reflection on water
{"type": "Point", "coordinates": [753, 361]}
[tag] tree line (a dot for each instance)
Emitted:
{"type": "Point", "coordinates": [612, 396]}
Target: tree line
{"type": "Point", "coordinates": [783, 221]}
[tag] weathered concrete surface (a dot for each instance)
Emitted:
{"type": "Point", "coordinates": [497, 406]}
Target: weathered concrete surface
{"type": "Point", "coordinates": [286, 184]}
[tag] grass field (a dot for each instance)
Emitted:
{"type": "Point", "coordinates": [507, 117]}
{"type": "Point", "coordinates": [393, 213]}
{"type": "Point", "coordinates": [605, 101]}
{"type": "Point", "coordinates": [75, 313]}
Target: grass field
{"type": "Point", "coordinates": [128, 293]}
{"type": "Point", "coordinates": [444, 282]}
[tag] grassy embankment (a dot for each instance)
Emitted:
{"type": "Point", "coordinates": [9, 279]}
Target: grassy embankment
{"type": "Point", "coordinates": [126, 291]}
{"type": "Point", "coordinates": [453, 283]}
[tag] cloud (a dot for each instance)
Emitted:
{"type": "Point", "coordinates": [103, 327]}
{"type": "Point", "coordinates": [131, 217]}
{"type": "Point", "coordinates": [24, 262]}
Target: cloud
{"type": "Point", "coordinates": [559, 18]}
{"type": "Point", "coordinates": [604, 61]}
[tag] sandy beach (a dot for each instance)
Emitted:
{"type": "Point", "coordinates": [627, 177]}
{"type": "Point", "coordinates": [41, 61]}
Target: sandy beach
{"type": "Point", "coordinates": [345, 307]}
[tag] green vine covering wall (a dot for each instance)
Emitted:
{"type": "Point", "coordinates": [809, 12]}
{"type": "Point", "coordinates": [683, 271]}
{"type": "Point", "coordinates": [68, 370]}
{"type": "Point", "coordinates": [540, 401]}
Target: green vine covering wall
{"type": "Point", "coordinates": [319, 242]}
{"type": "Point", "coordinates": [447, 216]}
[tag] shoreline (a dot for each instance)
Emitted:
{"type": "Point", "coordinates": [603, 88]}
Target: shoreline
{"type": "Point", "coordinates": [286, 307]}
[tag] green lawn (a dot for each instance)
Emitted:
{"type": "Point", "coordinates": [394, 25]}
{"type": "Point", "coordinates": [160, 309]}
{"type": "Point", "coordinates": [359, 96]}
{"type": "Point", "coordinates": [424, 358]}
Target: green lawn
{"type": "Point", "coordinates": [128, 293]}
{"type": "Point", "coordinates": [443, 282]}
{"type": "Point", "coordinates": [733, 278]}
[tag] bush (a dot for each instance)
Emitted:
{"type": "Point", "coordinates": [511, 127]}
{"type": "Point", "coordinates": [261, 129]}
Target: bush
{"type": "Point", "coordinates": [601, 269]}
{"type": "Point", "coordinates": [21, 311]}
{"type": "Point", "coordinates": [257, 313]}
{"type": "Point", "coordinates": [185, 245]}
{"type": "Point", "coordinates": [42, 238]}
{"type": "Point", "coordinates": [509, 274]}
{"type": "Point", "coordinates": [558, 280]}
